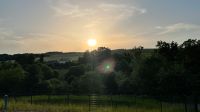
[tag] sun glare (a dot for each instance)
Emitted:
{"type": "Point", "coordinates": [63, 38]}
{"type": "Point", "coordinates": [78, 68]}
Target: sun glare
{"type": "Point", "coordinates": [92, 42]}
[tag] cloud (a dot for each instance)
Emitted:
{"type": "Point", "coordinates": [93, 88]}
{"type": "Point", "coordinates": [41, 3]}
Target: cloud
{"type": "Point", "coordinates": [117, 11]}
{"type": "Point", "coordinates": [7, 33]}
{"type": "Point", "coordinates": [71, 10]}
{"type": "Point", "coordinates": [177, 28]}
{"type": "Point", "coordinates": [1, 21]}
{"type": "Point", "coordinates": [8, 40]}
{"type": "Point", "coordinates": [10, 35]}
{"type": "Point", "coordinates": [66, 8]}
{"type": "Point", "coordinates": [121, 10]}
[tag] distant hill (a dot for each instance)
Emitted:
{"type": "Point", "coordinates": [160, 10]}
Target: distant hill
{"type": "Point", "coordinates": [68, 56]}
{"type": "Point", "coordinates": [74, 56]}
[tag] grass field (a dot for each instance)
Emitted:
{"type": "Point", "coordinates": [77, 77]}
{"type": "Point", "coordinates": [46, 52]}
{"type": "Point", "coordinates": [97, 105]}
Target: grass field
{"type": "Point", "coordinates": [63, 56]}
{"type": "Point", "coordinates": [82, 104]}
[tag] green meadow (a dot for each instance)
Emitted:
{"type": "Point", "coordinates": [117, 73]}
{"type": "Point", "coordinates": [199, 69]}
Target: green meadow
{"type": "Point", "coordinates": [83, 104]}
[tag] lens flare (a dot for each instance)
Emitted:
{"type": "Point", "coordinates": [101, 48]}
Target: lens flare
{"type": "Point", "coordinates": [107, 66]}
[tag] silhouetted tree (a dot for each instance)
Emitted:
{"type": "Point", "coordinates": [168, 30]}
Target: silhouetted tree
{"type": "Point", "coordinates": [11, 78]}
{"type": "Point", "coordinates": [24, 58]}
{"type": "Point", "coordinates": [111, 86]}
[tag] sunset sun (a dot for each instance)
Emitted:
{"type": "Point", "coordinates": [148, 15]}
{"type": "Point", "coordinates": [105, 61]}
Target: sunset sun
{"type": "Point", "coordinates": [92, 42]}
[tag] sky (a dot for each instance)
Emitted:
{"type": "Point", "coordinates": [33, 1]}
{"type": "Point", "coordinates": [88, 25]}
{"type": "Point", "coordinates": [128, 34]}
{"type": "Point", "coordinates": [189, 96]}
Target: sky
{"type": "Point", "coordinates": [37, 26]}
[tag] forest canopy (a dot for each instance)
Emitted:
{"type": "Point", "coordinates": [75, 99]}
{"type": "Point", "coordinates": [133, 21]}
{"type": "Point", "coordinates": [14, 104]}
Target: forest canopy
{"type": "Point", "coordinates": [170, 69]}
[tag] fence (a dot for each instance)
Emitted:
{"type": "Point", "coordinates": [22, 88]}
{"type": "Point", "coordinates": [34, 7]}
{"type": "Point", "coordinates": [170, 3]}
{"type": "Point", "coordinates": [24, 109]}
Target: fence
{"type": "Point", "coordinates": [99, 103]}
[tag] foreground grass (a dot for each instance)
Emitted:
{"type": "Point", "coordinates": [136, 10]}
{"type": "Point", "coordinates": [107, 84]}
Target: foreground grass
{"type": "Point", "coordinates": [57, 104]}
{"type": "Point", "coordinates": [82, 108]}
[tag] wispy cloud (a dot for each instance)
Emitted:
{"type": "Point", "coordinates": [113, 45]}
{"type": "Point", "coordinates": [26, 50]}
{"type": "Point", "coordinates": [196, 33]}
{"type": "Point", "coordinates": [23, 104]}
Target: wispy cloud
{"type": "Point", "coordinates": [8, 40]}
{"type": "Point", "coordinates": [7, 34]}
{"type": "Point", "coordinates": [121, 10]}
{"type": "Point", "coordinates": [67, 8]}
{"type": "Point", "coordinates": [177, 28]}
{"type": "Point", "coordinates": [96, 14]}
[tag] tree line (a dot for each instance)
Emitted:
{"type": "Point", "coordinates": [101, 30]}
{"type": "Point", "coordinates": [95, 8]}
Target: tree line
{"type": "Point", "coordinates": [170, 69]}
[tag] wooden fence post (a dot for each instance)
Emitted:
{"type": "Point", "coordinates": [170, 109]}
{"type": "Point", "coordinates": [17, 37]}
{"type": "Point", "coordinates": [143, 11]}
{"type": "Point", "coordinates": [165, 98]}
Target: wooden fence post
{"type": "Point", "coordinates": [196, 103]}
{"type": "Point", "coordinates": [161, 106]}
{"type": "Point", "coordinates": [5, 108]}
{"type": "Point", "coordinates": [185, 104]}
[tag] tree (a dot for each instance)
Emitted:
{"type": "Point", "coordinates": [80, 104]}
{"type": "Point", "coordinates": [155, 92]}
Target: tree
{"type": "Point", "coordinates": [11, 77]}
{"type": "Point", "coordinates": [173, 81]}
{"type": "Point", "coordinates": [54, 85]}
{"type": "Point", "coordinates": [103, 53]}
{"type": "Point", "coordinates": [86, 58]}
{"type": "Point", "coordinates": [190, 55]}
{"type": "Point", "coordinates": [38, 77]}
{"type": "Point", "coordinates": [147, 77]}
{"type": "Point", "coordinates": [47, 72]}
{"type": "Point", "coordinates": [91, 82]}
{"type": "Point", "coordinates": [169, 51]}
{"type": "Point", "coordinates": [24, 58]}
{"type": "Point", "coordinates": [72, 77]}
{"type": "Point", "coordinates": [76, 71]}
{"type": "Point", "coordinates": [5, 57]}
{"type": "Point", "coordinates": [33, 76]}
{"type": "Point", "coordinates": [111, 86]}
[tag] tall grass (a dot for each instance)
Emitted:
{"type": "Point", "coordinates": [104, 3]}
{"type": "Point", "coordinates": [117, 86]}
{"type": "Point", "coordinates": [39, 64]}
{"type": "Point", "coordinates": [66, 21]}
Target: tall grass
{"type": "Point", "coordinates": [81, 104]}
